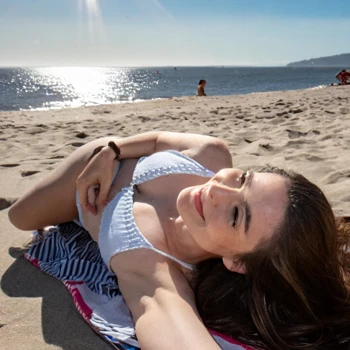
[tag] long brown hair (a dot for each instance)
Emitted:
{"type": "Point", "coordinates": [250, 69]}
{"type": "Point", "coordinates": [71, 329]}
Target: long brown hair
{"type": "Point", "coordinates": [296, 292]}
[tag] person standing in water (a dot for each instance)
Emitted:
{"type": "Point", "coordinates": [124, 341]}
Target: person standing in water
{"type": "Point", "coordinates": [201, 86]}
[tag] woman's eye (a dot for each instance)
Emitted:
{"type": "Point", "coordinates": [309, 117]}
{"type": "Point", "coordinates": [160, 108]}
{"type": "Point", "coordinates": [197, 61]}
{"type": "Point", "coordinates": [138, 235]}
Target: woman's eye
{"type": "Point", "coordinates": [243, 177]}
{"type": "Point", "coordinates": [235, 216]}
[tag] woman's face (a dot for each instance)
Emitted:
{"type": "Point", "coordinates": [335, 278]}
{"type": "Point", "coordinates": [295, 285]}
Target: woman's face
{"type": "Point", "coordinates": [234, 210]}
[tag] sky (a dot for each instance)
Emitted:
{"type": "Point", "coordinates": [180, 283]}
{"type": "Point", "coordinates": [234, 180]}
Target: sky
{"type": "Point", "coordinates": [171, 32]}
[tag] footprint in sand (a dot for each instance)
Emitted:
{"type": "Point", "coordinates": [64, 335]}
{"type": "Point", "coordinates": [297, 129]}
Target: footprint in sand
{"type": "Point", "coordinates": [297, 144]}
{"type": "Point", "coordinates": [38, 129]}
{"type": "Point", "coordinates": [77, 144]}
{"type": "Point", "coordinates": [266, 146]}
{"type": "Point", "coordinates": [297, 110]}
{"type": "Point", "coordinates": [312, 158]}
{"type": "Point", "coordinates": [229, 112]}
{"type": "Point", "coordinates": [281, 114]}
{"type": "Point", "coordinates": [326, 137]}
{"type": "Point", "coordinates": [81, 135]}
{"type": "Point", "coordinates": [144, 119]}
{"type": "Point", "coordinates": [10, 165]}
{"type": "Point", "coordinates": [25, 173]}
{"type": "Point", "coordinates": [335, 176]}
{"type": "Point", "coordinates": [6, 202]}
{"type": "Point", "coordinates": [293, 134]}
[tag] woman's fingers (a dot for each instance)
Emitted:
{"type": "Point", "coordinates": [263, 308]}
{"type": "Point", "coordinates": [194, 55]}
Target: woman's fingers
{"type": "Point", "coordinates": [83, 192]}
{"type": "Point", "coordinates": [93, 192]}
{"type": "Point", "coordinates": [99, 171]}
{"type": "Point", "coordinates": [105, 186]}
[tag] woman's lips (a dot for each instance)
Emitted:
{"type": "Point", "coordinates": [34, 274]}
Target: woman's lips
{"type": "Point", "coordinates": [198, 203]}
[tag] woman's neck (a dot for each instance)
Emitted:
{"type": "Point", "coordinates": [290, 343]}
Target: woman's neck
{"type": "Point", "coordinates": [181, 244]}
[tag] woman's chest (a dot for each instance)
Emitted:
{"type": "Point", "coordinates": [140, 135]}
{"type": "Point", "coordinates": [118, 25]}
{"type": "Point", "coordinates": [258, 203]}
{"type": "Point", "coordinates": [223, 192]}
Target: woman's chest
{"type": "Point", "coordinates": [154, 201]}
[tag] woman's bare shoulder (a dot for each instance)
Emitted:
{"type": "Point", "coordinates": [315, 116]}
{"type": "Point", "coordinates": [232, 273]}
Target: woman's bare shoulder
{"type": "Point", "coordinates": [214, 155]}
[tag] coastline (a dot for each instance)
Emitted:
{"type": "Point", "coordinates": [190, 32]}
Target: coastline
{"type": "Point", "coordinates": [304, 130]}
{"type": "Point", "coordinates": [75, 87]}
{"type": "Point", "coordinates": [45, 109]}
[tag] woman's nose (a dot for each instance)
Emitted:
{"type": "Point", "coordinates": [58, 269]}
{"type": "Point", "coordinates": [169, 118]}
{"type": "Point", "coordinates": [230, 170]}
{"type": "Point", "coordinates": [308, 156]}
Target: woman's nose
{"type": "Point", "coordinates": [219, 192]}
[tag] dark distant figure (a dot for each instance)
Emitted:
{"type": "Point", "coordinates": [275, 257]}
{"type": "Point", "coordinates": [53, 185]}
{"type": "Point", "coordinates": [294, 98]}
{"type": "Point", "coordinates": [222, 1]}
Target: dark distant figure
{"type": "Point", "coordinates": [344, 77]}
{"type": "Point", "coordinates": [201, 86]}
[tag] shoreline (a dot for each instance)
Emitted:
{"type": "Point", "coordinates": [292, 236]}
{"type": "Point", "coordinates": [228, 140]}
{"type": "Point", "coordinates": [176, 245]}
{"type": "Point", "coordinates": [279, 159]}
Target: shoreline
{"type": "Point", "coordinates": [44, 109]}
{"type": "Point", "coordinates": [304, 130]}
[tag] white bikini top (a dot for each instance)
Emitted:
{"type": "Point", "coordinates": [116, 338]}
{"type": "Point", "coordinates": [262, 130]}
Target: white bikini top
{"type": "Point", "coordinates": [118, 230]}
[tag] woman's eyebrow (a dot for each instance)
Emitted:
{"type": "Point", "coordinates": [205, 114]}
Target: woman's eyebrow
{"type": "Point", "coordinates": [248, 215]}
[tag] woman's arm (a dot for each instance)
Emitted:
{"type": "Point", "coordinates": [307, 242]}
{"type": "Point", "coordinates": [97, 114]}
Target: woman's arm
{"type": "Point", "coordinates": [52, 200]}
{"type": "Point", "coordinates": [162, 304]}
{"type": "Point", "coordinates": [146, 144]}
{"type": "Point", "coordinates": [169, 322]}
{"type": "Point", "coordinates": [209, 151]}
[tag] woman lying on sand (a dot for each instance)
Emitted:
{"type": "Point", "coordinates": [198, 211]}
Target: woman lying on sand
{"type": "Point", "coordinates": [255, 255]}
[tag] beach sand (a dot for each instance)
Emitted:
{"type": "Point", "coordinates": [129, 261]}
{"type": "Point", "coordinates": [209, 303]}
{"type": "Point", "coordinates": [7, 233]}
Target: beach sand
{"type": "Point", "coordinates": [307, 131]}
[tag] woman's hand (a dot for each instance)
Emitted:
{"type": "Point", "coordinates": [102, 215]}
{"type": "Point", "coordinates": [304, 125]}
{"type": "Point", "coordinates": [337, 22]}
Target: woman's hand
{"type": "Point", "coordinates": [94, 183]}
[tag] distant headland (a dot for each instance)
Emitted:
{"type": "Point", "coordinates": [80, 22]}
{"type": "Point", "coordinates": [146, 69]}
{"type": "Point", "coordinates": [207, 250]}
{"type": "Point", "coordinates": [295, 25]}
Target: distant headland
{"type": "Point", "coordinates": [341, 61]}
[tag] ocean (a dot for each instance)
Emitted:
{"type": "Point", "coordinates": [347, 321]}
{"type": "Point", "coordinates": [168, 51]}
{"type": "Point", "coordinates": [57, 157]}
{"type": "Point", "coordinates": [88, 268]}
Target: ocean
{"type": "Point", "coordinates": [45, 88]}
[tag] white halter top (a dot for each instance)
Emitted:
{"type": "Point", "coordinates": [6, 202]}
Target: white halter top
{"type": "Point", "coordinates": [118, 230]}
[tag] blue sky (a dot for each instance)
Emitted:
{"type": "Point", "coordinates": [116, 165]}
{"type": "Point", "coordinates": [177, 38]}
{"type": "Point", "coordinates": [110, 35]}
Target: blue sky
{"type": "Point", "coordinates": [170, 32]}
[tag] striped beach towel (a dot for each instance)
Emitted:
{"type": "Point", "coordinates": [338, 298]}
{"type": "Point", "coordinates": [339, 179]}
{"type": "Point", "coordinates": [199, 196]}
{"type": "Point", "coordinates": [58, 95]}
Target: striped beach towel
{"type": "Point", "coordinates": [68, 253]}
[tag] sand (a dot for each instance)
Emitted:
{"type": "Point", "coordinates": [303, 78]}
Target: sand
{"type": "Point", "coordinates": [307, 131]}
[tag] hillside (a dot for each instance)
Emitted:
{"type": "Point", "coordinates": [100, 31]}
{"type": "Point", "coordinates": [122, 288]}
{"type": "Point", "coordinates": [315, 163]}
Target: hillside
{"type": "Point", "coordinates": [341, 61]}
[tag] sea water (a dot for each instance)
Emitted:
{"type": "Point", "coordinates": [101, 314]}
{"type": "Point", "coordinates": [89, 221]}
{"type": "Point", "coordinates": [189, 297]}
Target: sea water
{"type": "Point", "coordinates": [61, 87]}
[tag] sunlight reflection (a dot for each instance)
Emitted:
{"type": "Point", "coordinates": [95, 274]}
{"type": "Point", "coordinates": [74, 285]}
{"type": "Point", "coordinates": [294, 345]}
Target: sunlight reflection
{"type": "Point", "coordinates": [86, 86]}
{"type": "Point", "coordinates": [81, 86]}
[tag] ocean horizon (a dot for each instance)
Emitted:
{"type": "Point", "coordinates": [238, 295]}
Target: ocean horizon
{"type": "Point", "coordinates": [42, 88]}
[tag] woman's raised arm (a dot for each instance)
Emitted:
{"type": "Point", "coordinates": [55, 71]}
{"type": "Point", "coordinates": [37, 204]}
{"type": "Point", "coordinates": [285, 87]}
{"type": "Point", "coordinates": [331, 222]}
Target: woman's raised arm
{"type": "Point", "coordinates": [147, 143]}
{"type": "Point", "coordinates": [209, 151]}
{"type": "Point", "coordinates": [52, 200]}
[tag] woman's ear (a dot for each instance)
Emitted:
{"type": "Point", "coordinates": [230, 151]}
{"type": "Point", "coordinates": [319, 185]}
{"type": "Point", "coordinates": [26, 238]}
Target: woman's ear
{"type": "Point", "coordinates": [233, 265]}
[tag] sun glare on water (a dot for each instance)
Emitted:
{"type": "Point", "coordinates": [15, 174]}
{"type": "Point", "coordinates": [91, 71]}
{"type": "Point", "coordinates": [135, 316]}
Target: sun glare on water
{"type": "Point", "coordinates": [83, 86]}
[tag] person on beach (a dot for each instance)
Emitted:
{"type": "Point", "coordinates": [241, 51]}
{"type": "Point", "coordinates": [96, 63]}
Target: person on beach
{"type": "Point", "coordinates": [201, 86]}
{"type": "Point", "coordinates": [196, 243]}
{"type": "Point", "coordinates": [343, 77]}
